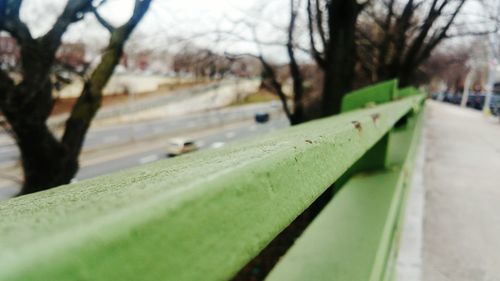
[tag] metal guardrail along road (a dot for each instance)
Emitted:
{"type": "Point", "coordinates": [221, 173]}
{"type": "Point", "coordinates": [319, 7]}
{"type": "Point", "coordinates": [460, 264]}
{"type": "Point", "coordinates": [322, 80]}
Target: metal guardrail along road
{"type": "Point", "coordinates": [205, 215]}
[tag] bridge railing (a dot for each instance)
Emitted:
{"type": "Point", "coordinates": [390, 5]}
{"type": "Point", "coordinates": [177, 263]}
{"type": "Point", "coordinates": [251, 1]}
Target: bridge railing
{"type": "Point", "coordinates": [205, 215]}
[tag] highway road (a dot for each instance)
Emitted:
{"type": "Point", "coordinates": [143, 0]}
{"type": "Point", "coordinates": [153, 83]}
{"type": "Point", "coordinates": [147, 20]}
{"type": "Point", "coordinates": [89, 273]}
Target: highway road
{"type": "Point", "coordinates": [109, 135]}
{"type": "Point", "coordinates": [165, 109]}
{"type": "Point", "coordinates": [131, 144]}
{"type": "Point", "coordinates": [213, 140]}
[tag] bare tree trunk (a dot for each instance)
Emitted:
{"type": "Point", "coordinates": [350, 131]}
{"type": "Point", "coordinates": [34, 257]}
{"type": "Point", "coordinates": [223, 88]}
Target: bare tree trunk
{"type": "Point", "coordinates": [298, 81]}
{"type": "Point", "coordinates": [406, 77]}
{"type": "Point", "coordinates": [47, 161]}
{"type": "Point", "coordinates": [276, 86]}
{"type": "Point", "coordinates": [340, 53]}
{"type": "Point", "coordinates": [404, 74]}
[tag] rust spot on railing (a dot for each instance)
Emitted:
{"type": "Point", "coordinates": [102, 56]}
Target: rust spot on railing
{"type": "Point", "coordinates": [375, 117]}
{"type": "Point", "coordinates": [357, 125]}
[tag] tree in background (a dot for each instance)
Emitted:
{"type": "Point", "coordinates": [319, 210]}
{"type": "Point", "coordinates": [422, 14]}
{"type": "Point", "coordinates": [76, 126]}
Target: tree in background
{"type": "Point", "coordinates": [450, 65]}
{"type": "Point", "coordinates": [271, 72]}
{"type": "Point", "coordinates": [396, 37]}
{"type": "Point", "coordinates": [333, 24]}
{"type": "Point", "coordinates": [332, 28]}
{"type": "Point", "coordinates": [382, 40]}
{"type": "Point", "coordinates": [200, 62]}
{"type": "Point", "coordinates": [270, 78]}
{"type": "Point", "coordinates": [48, 161]}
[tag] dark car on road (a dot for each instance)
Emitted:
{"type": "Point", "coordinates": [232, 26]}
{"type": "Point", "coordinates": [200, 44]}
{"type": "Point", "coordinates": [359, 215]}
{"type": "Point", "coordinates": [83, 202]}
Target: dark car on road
{"type": "Point", "coordinates": [262, 117]}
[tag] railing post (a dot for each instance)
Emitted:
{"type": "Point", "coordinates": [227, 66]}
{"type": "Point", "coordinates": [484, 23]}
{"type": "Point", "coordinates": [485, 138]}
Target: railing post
{"type": "Point", "coordinates": [358, 230]}
{"type": "Point", "coordinates": [385, 154]}
{"type": "Point", "coordinates": [376, 157]}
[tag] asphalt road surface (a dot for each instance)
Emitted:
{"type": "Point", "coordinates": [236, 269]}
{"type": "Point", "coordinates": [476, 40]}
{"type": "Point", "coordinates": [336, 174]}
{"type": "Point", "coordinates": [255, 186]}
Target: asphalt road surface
{"type": "Point", "coordinates": [115, 134]}
{"type": "Point", "coordinates": [223, 133]}
{"type": "Point", "coordinates": [213, 140]}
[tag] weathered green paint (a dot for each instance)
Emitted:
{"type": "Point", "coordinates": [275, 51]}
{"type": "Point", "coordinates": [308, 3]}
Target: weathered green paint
{"type": "Point", "coordinates": [407, 92]}
{"type": "Point", "coordinates": [355, 238]}
{"type": "Point", "coordinates": [375, 157]}
{"type": "Point", "coordinates": [402, 150]}
{"type": "Point", "coordinates": [197, 217]}
{"type": "Point", "coordinates": [370, 96]}
{"type": "Point", "coordinates": [410, 138]}
{"type": "Point", "coordinates": [343, 241]}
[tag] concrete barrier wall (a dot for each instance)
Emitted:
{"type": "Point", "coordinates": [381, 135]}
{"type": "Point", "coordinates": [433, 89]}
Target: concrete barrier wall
{"type": "Point", "coordinates": [125, 83]}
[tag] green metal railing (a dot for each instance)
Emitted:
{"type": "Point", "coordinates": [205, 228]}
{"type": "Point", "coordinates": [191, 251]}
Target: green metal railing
{"type": "Point", "coordinates": [205, 215]}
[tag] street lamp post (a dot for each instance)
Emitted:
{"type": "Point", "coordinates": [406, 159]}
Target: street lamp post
{"type": "Point", "coordinates": [492, 71]}
{"type": "Point", "coordinates": [468, 81]}
{"type": "Point", "coordinates": [493, 67]}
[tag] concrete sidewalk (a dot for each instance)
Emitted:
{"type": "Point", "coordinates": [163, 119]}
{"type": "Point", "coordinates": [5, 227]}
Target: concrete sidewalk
{"type": "Point", "coordinates": [461, 233]}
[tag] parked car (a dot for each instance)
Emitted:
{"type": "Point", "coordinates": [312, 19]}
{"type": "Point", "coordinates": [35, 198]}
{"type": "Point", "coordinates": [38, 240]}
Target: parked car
{"type": "Point", "coordinates": [262, 117]}
{"type": "Point", "coordinates": [439, 96]}
{"type": "Point", "coordinates": [495, 104]}
{"type": "Point", "coordinates": [456, 99]}
{"type": "Point", "coordinates": [476, 100]}
{"type": "Point", "coordinates": [180, 146]}
{"type": "Point", "coordinates": [447, 97]}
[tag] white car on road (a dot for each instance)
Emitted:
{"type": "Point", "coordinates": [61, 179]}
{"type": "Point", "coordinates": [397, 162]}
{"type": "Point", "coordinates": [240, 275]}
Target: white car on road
{"type": "Point", "coordinates": [180, 146]}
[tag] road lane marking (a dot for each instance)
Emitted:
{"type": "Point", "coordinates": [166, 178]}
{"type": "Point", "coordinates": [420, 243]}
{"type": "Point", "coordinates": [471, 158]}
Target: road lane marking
{"type": "Point", "coordinates": [217, 144]}
{"type": "Point", "coordinates": [93, 159]}
{"type": "Point", "coordinates": [7, 149]}
{"type": "Point", "coordinates": [149, 158]}
{"type": "Point", "coordinates": [111, 138]}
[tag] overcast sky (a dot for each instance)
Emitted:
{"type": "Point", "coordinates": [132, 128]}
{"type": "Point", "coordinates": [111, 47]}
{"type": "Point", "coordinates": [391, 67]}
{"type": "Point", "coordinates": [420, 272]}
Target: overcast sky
{"type": "Point", "coordinates": [176, 19]}
{"type": "Point", "coordinates": [168, 19]}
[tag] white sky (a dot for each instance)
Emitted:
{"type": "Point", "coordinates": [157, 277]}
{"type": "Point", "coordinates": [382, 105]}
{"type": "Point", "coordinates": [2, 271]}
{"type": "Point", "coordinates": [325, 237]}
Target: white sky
{"type": "Point", "coordinates": [165, 20]}
{"type": "Point", "coordinates": [169, 19]}
{"type": "Point", "coordinates": [41, 13]}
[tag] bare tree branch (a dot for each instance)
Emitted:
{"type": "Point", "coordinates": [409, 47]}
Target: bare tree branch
{"type": "Point", "coordinates": [440, 34]}
{"type": "Point", "coordinates": [269, 74]}
{"type": "Point", "coordinates": [293, 65]}
{"type": "Point", "coordinates": [103, 21]}
{"type": "Point", "coordinates": [318, 57]}
{"type": "Point", "coordinates": [6, 87]}
{"type": "Point", "coordinates": [10, 21]}
{"type": "Point", "coordinates": [472, 33]}
{"type": "Point", "coordinates": [90, 100]}
{"type": "Point", "coordinates": [73, 11]}
{"type": "Point", "coordinates": [319, 23]}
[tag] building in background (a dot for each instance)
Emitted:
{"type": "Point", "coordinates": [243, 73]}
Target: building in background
{"type": "Point", "coordinates": [9, 52]}
{"type": "Point", "coordinates": [72, 55]}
